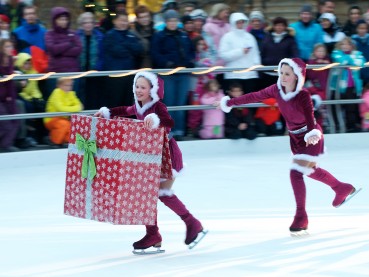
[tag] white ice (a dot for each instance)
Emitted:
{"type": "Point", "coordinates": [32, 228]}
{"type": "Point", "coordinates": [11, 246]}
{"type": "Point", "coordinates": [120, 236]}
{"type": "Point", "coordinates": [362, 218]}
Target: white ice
{"type": "Point", "coordinates": [241, 192]}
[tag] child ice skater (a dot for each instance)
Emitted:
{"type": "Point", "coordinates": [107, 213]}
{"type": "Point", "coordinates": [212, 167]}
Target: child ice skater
{"type": "Point", "coordinates": [148, 90]}
{"type": "Point", "coordinates": [306, 138]}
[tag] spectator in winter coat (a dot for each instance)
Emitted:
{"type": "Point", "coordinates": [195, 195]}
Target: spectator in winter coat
{"type": "Point", "coordinates": [361, 39]}
{"type": "Point", "coordinates": [143, 28]}
{"type": "Point", "coordinates": [91, 58]}
{"type": "Point", "coordinates": [63, 47]}
{"type": "Point", "coordinates": [354, 14]}
{"type": "Point", "coordinates": [172, 48]}
{"type": "Point", "coordinates": [239, 48]}
{"type": "Point", "coordinates": [8, 128]}
{"type": "Point", "coordinates": [332, 34]}
{"type": "Point", "coordinates": [257, 26]}
{"type": "Point", "coordinates": [217, 24]}
{"type": "Point", "coordinates": [307, 32]}
{"type": "Point", "coordinates": [122, 51]}
{"type": "Point", "coordinates": [278, 43]}
{"type": "Point", "coordinates": [13, 9]}
{"type": "Point", "coordinates": [30, 33]}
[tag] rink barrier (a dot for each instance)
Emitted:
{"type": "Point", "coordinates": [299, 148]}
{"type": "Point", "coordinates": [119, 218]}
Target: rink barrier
{"type": "Point", "coordinates": [194, 71]}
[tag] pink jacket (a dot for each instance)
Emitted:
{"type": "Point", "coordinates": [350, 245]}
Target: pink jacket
{"type": "Point", "coordinates": [364, 110]}
{"type": "Point", "coordinates": [212, 117]}
{"type": "Point", "coordinates": [216, 29]}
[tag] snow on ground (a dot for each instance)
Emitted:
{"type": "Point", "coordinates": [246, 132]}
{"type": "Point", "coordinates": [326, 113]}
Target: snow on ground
{"type": "Point", "coordinates": [240, 191]}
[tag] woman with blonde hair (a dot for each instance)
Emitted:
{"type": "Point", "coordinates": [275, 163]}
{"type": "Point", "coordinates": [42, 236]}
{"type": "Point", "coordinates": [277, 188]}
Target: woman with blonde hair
{"type": "Point", "coordinates": [217, 24]}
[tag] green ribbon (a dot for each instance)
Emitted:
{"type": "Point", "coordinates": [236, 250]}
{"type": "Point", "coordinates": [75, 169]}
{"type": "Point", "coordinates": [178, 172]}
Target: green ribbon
{"type": "Point", "coordinates": [88, 163]}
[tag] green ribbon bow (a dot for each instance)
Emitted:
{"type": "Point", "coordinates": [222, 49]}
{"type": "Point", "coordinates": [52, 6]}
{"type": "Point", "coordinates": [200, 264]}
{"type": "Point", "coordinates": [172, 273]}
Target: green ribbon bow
{"type": "Point", "coordinates": [88, 163]}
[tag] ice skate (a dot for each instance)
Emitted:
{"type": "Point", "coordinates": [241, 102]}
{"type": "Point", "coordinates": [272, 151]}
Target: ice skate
{"type": "Point", "coordinates": [150, 243]}
{"type": "Point", "coordinates": [199, 237]}
{"type": "Point", "coordinates": [299, 225]}
{"type": "Point", "coordinates": [344, 195]}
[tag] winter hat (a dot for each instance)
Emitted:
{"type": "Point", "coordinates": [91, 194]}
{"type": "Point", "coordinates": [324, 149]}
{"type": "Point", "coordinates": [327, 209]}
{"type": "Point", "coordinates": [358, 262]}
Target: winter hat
{"type": "Point", "coordinates": [170, 14]}
{"type": "Point", "coordinates": [280, 20]}
{"type": "Point", "coordinates": [299, 69]}
{"type": "Point", "coordinates": [360, 21]}
{"type": "Point", "coordinates": [329, 16]}
{"type": "Point", "coordinates": [306, 8]}
{"type": "Point", "coordinates": [4, 18]}
{"type": "Point", "coordinates": [169, 5]}
{"type": "Point", "coordinates": [257, 15]}
{"type": "Point", "coordinates": [185, 19]}
{"type": "Point", "coordinates": [156, 91]}
{"type": "Point", "coordinates": [198, 14]}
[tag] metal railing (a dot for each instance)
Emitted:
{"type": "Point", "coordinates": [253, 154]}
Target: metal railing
{"type": "Point", "coordinates": [183, 70]}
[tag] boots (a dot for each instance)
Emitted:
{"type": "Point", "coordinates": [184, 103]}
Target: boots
{"type": "Point", "coordinates": [152, 238]}
{"type": "Point", "coordinates": [193, 226]}
{"type": "Point", "coordinates": [342, 190]}
{"type": "Point", "coordinates": [300, 221]}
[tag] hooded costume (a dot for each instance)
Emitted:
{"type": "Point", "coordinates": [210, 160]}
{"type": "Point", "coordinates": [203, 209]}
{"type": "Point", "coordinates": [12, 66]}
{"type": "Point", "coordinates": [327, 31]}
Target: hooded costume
{"type": "Point", "coordinates": [155, 109]}
{"type": "Point", "coordinates": [297, 109]}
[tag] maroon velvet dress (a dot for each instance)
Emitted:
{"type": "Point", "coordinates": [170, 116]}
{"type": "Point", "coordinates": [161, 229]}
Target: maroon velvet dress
{"type": "Point", "coordinates": [165, 121]}
{"type": "Point", "coordinates": [298, 113]}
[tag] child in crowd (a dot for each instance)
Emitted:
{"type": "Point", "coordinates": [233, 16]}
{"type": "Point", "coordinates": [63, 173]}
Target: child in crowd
{"type": "Point", "coordinates": [212, 120]}
{"type": "Point", "coordinates": [364, 109]}
{"type": "Point", "coordinates": [268, 119]}
{"type": "Point", "coordinates": [306, 138]}
{"type": "Point", "coordinates": [237, 122]}
{"type": "Point", "coordinates": [350, 83]}
{"type": "Point", "coordinates": [31, 96]}
{"type": "Point", "coordinates": [62, 99]}
{"type": "Point", "coordinates": [317, 81]}
{"type": "Point", "coordinates": [148, 90]}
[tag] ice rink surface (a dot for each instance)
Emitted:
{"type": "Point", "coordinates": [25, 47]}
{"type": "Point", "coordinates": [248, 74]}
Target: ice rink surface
{"type": "Point", "coordinates": [241, 192]}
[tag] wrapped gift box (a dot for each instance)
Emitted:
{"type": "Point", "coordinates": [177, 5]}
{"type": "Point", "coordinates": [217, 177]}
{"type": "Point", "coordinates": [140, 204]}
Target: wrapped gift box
{"type": "Point", "coordinates": [114, 169]}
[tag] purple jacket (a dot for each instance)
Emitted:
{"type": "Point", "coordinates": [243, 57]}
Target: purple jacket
{"type": "Point", "coordinates": [63, 45]}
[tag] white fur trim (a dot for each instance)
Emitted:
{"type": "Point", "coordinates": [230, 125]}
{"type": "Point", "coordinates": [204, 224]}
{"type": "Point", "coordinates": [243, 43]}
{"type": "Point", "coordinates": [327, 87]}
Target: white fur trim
{"type": "Point", "coordinates": [317, 101]}
{"type": "Point", "coordinates": [155, 119]}
{"type": "Point", "coordinates": [303, 169]}
{"type": "Point", "coordinates": [223, 104]}
{"type": "Point", "coordinates": [153, 91]}
{"type": "Point", "coordinates": [306, 157]}
{"type": "Point", "coordinates": [314, 132]}
{"type": "Point", "coordinates": [105, 112]}
{"type": "Point", "coordinates": [300, 79]}
{"type": "Point", "coordinates": [165, 192]}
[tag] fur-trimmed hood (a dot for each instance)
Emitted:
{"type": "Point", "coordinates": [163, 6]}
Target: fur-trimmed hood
{"type": "Point", "coordinates": [156, 91]}
{"type": "Point", "coordinates": [299, 68]}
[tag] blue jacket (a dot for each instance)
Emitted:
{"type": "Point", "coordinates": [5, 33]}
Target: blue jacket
{"type": "Point", "coordinates": [29, 35]}
{"type": "Point", "coordinates": [122, 49]}
{"type": "Point", "coordinates": [362, 45]}
{"type": "Point", "coordinates": [170, 49]}
{"type": "Point", "coordinates": [95, 50]}
{"type": "Point", "coordinates": [306, 36]}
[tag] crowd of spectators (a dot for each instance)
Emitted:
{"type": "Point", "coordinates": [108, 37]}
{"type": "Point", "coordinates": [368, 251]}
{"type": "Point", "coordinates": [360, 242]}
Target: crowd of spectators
{"type": "Point", "coordinates": [188, 37]}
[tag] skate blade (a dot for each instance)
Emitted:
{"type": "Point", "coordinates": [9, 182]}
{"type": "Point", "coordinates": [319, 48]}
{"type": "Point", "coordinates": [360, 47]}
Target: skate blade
{"type": "Point", "coordinates": [299, 234]}
{"type": "Point", "coordinates": [349, 197]}
{"type": "Point", "coordinates": [149, 251]}
{"type": "Point", "coordinates": [200, 236]}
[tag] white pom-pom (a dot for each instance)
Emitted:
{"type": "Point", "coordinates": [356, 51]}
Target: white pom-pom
{"type": "Point", "coordinates": [155, 119]}
{"type": "Point", "coordinates": [314, 132]}
{"type": "Point", "coordinates": [223, 104]}
{"type": "Point", "coordinates": [105, 112]}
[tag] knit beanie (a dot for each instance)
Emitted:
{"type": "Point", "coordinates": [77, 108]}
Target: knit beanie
{"type": "Point", "coordinates": [170, 14]}
{"type": "Point", "coordinates": [257, 15]}
{"type": "Point", "coordinates": [306, 8]}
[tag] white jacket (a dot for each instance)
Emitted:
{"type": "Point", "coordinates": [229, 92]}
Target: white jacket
{"type": "Point", "coordinates": [231, 49]}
